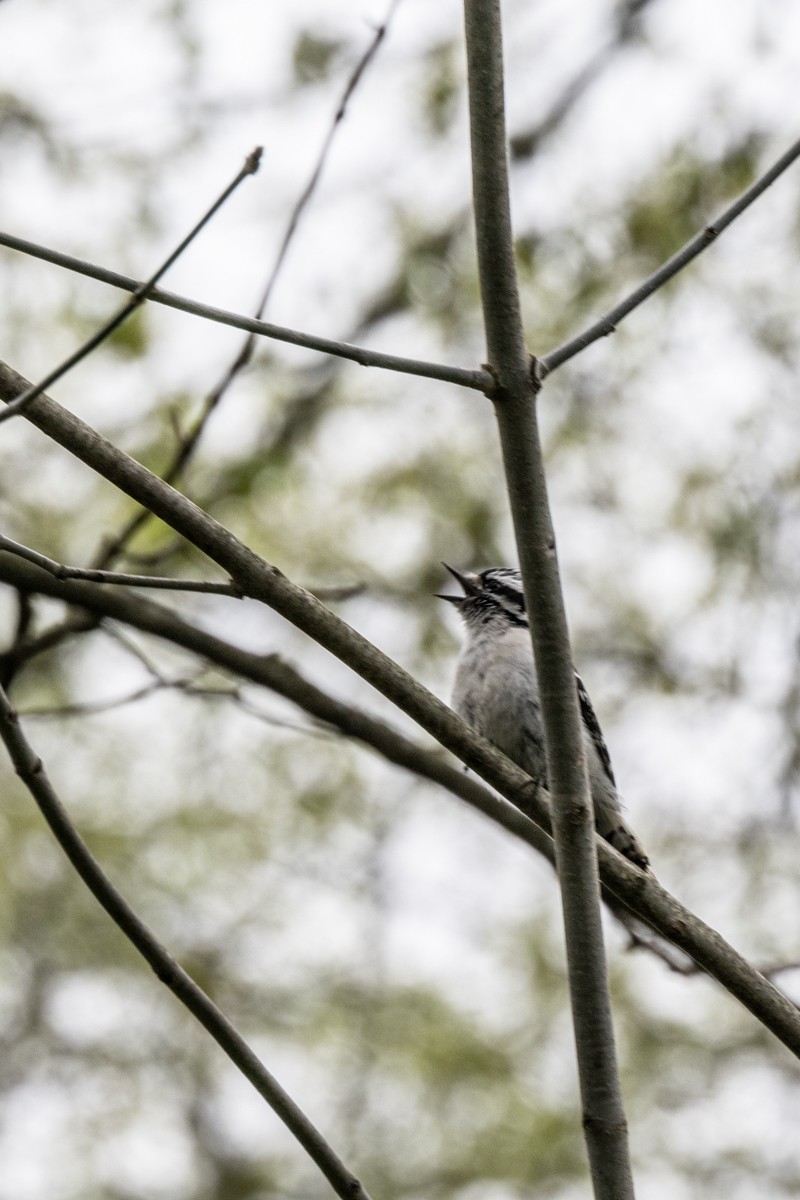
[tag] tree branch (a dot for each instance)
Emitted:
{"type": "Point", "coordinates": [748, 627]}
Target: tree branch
{"type": "Point", "coordinates": [608, 323]}
{"type": "Point", "coordinates": [189, 442]}
{"type": "Point", "coordinates": [141, 294]}
{"type": "Point", "coordinates": [32, 773]}
{"type": "Point", "coordinates": [356, 76]}
{"type": "Point", "coordinates": [118, 578]}
{"type": "Point", "coordinates": [641, 893]}
{"type": "Point", "coordinates": [604, 1124]}
{"type": "Point", "coordinates": [476, 380]}
{"type": "Point", "coordinates": [626, 22]}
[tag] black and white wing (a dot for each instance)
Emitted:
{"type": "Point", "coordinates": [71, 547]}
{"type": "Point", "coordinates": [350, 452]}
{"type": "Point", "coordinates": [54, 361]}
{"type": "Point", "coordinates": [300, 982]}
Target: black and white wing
{"type": "Point", "coordinates": [592, 727]}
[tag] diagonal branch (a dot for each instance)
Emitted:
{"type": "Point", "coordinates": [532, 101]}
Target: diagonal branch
{"type": "Point", "coordinates": [626, 23]}
{"type": "Point", "coordinates": [187, 445]}
{"type": "Point", "coordinates": [142, 293]}
{"type": "Point", "coordinates": [608, 323]}
{"type": "Point", "coordinates": [641, 893]}
{"type": "Point", "coordinates": [476, 380]}
{"type": "Point", "coordinates": [604, 1124]}
{"type": "Point", "coordinates": [306, 195]}
{"type": "Point", "coordinates": [31, 771]}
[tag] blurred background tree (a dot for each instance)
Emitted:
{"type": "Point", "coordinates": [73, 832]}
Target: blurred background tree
{"type": "Point", "coordinates": [395, 959]}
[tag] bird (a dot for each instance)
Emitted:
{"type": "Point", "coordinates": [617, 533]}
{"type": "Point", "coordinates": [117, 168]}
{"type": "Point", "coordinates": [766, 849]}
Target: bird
{"type": "Point", "coordinates": [497, 693]}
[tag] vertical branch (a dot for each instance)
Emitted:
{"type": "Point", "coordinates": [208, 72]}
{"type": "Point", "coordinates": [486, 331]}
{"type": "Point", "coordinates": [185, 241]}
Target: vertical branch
{"type": "Point", "coordinates": [514, 400]}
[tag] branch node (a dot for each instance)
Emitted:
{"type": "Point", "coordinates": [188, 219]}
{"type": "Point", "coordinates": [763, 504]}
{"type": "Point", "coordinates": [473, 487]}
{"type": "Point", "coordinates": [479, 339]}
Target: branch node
{"type": "Point", "coordinates": [492, 390]}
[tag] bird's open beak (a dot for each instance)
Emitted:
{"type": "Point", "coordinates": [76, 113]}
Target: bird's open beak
{"type": "Point", "coordinates": [470, 583]}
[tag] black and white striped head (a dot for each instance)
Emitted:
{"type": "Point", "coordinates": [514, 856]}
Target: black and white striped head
{"type": "Point", "coordinates": [493, 597]}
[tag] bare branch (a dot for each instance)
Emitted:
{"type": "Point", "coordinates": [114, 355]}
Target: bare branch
{"type": "Point", "coordinates": [626, 24]}
{"type": "Point", "coordinates": [31, 771]}
{"type": "Point", "coordinates": [608, 323]}
{"type": "Point", "coordinates": [188, 685]}
{"type": "Point", "coordinates": [134, 650]}
{"type": "Point", "coordinates": [188, 444]}
{"type": "Point", "coordinates": [91, 708]}
{"type": "Point", "coordinates": [604, 1125]}
{"type": "Point", "coordinates": [641, 893]}
{"type": "Point", "coordinates": [61, 571]}
{"type": "Point", "coordinates": [141, 294]}
{"type": "Point", "coordinates": [476, 380]}
{"type": "Point", "coordinates": [316, 173]}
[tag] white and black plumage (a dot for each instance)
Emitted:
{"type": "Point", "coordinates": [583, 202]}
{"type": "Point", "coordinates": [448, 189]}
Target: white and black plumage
{"type": "Point", "coordinates": [497, 693]}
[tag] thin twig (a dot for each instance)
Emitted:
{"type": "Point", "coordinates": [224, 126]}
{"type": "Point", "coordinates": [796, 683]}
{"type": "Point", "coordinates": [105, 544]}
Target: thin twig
{"type": "Point", "coordinates": [604, 1125]}
{"type": "Point", "coordinates": [132, 648]}
{"type": "Point", "coordinates": [187, 445]}
{"type": "Point", "coordinates": [641, 893]}
{"type": "Point", "coordinates": [188, 685]}
{"type": "Point", "coordinates": [626, 22]}
{"type": "Point", "coordinates": [141, 294]}
{"type": "Point", "coordinates": [31, 771]}
{"type": "Point", "coordinates": [61, 571]}
{"type": "Point", "coordinates": [608, 323]}
{"type": "Point", "coordinates": [93, 708]}
{"type": "Point", "coordinates": [322, 158]}
{"type": "Point", "coordinates": [476, 380]}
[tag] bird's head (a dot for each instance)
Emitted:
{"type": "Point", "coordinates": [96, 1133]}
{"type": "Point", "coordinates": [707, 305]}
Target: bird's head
{"type": "Point", "coordinates": [491, 596]}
